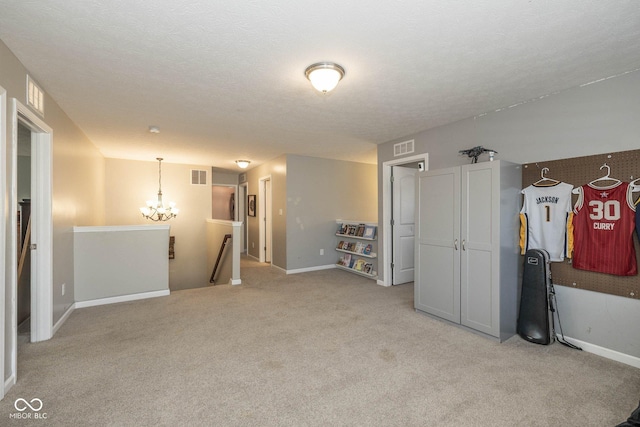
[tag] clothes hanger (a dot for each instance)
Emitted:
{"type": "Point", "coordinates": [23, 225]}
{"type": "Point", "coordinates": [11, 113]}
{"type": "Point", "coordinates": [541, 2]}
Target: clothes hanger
{"type": "Point", "coordinates": [606, 177]}
{"type": "Point", "coordinates": [578, 190]}
{"type": "Point", "coordinates": [544, 181]}
{"type": "Point", "coordinates": [635, 187]}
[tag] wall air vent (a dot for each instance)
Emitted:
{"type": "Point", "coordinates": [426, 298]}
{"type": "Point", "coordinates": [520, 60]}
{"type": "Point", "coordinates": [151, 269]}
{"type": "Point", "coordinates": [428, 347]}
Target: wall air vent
{"type": "Point", "coordinates": [402, 148]}
{"type": "Point", "coordinates": [35, 96]}
{"type": "Point", "coordinates": [198, 177]}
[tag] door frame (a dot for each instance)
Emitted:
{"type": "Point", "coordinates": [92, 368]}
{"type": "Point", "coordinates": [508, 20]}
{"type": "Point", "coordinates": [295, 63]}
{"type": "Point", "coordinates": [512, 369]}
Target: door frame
{"type": "Point", "coordinates": [41, 222]}
{"type": "Point", "coordinates": [5, 304]}
{"type": "Point", "coordinates": [243, 192]}
{"type": "Point", "coordinates": [387, 241]}
{"type": "Point", "coordinates": [262, 217]}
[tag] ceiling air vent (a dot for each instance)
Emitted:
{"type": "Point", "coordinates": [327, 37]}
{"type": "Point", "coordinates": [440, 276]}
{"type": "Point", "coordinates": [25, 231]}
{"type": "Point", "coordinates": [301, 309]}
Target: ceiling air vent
{"type": "Point", "coordinates": [402, 148]}
{"type": "Point", "coordinates": [35, 96]}
{"type": "Point", "coordinates": [198, 177]}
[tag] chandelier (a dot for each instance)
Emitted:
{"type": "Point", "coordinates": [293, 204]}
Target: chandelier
{"type": "Point", "coordinates": [155, 210]}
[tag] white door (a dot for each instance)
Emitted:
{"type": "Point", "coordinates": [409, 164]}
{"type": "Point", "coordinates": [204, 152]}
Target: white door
{"type": "Point", "coordinates": [267, 221]}
{"type": "Point", "coordinates": [404, 196]}
{"type": "Point", "coordinates": [437, 278]}
{"type": "Point", "coordinates": [242, 215]}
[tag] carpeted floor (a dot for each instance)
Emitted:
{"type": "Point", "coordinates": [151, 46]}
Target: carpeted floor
{"type": "Point", "coordinates": [316, 349]}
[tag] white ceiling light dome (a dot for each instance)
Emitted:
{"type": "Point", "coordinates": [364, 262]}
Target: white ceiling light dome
{"type": "Point", "coordinates": [324, 76]}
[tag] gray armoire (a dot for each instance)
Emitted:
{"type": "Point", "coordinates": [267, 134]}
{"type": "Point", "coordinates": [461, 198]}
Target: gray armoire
{"type": "Point", "coordinates": [467, 254]}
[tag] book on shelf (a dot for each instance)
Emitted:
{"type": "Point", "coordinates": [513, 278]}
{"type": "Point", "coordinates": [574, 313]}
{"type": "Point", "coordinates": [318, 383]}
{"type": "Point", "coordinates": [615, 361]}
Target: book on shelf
{"type": "Point", "coordinates": [340, 245]}
{"type": "Point", "coordinates": [369, 232]}
{"type": "Point", "coordinates": [345, 260]}
{"type": "Point", "coordinates": [359, 248]}
{"type": "Point", "coordinates": [368, 268]}
{"type": "Point", "coordinates": [367, 249]}
{"type": "Point", "coordinates": [360, 230]}
{"type": "Point", "coordinates": [359, 265]}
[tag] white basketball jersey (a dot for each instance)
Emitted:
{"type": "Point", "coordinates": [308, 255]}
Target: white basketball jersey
{"type": "Point", "coordinates": [546, 220]}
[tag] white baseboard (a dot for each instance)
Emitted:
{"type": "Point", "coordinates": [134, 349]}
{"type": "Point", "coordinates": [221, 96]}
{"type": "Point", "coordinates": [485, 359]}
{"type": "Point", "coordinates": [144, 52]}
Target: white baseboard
{"type": "Point", "coordinates": [308, 269]}
{"type": "Point", "coordinates": [9, 382]}
{"type": "Point", "coordinates": [63, 319]}
{"type": "Point", "coordinates": [605, 352]}
{"type": "Point", "coordinates": [381, 283]}
{"type": "Point", "coordinates": [278, 268]}
{"type": "Point", "coordinates": [235, 281]}
{"type": "Point", "coordinates": [122, 298]}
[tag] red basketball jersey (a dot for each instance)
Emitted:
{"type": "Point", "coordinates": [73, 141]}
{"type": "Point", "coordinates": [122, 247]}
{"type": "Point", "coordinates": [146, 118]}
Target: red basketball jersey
{"type": "Point", "coordinates": [603, 225]}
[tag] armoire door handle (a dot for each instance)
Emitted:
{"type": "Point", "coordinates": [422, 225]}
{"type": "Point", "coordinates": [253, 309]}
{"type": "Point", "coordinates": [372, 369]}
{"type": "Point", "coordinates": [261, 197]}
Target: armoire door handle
{"type": "Point", "coordinates": [455, 244]}
{"type": "Point", "coordinates": [463, 246]}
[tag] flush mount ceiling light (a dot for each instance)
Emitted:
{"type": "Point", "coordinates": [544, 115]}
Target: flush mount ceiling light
{"type": "Point", "coordinates": [154, 129]}
{"type": "Point", "coordinates": [324, 76]}
{"type": "Point", "coordinates": [242, 164]}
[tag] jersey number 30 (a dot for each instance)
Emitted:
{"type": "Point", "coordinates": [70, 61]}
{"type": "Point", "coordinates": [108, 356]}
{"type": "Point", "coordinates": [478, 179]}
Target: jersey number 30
{"type": "Point", "coordinates": [609, 210]}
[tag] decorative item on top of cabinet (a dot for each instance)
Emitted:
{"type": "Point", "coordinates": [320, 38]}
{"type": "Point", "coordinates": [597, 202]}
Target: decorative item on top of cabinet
{"type": "Point", "coordinates": [467, 262]}
{"type": "Point", "coordinates": [357, 245]}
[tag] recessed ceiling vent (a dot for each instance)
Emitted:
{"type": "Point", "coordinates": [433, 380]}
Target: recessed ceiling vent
{"type": "Point", "coordinates": [35, 96]}
{"type": "Point", "coordinates": [198, 177]}
{"type": "Point", "coordinates": [402, 148]}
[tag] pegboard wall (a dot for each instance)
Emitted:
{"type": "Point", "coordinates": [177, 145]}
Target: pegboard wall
{"type": "Point", "coordinates": [578, 171]}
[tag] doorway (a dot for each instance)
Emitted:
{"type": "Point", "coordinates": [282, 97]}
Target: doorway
{"type": "Point", "coordinates": [243, 191]}
{"type": "Point", "coordinates": [41, 245]}
{"type": "Point", "coordinates": [398, 202]}
{"type": "Point", "coordinates": [24, 234]}
{"type": "Point", "coordinates": [265, 218]}
{"type": "Point", "coordinates": [223, 202]}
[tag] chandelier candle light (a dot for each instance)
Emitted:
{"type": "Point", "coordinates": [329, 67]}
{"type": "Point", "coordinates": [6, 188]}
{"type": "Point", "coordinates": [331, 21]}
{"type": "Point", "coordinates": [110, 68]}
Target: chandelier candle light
{"type": "Point", "coordinates": [155, 210]}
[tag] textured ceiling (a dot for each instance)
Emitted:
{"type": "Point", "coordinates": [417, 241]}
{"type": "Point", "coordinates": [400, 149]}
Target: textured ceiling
{"type": "Point", "coordinates": [224, 79]}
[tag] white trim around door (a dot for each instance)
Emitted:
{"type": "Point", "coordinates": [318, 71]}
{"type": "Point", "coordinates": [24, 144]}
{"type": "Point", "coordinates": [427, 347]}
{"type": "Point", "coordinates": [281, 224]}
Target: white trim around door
{"type": "Point", "coordinates": [387, 240]}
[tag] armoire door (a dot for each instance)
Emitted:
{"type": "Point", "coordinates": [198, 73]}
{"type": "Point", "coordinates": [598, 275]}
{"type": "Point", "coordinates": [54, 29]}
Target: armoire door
{"type": "Point", "coordinates": [437, 283]}
{"type": "Point", "coordinates": [479, 255]}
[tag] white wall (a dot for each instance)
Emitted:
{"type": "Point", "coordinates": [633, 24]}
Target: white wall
{"type": "Point", "coordinates": [130, 183]}
{"type": "Point", "coordinates": [594, 119]}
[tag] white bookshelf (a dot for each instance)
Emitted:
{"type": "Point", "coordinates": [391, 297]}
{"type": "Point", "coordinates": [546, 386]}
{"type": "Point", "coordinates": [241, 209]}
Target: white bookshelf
{"type": "Point", "coordinates": [356, 247]}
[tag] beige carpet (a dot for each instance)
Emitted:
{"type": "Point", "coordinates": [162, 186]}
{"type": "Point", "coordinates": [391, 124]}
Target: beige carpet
{"type": "Point", "coordinates": [326, 348]}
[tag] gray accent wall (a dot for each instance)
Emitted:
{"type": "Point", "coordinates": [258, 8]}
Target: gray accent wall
{"type": "Point", "coordinates": [308, 195]}
{"type": "Point", "coordinates": [593, 119]}
{"type": "Point", "coordinates": [319, 191]}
